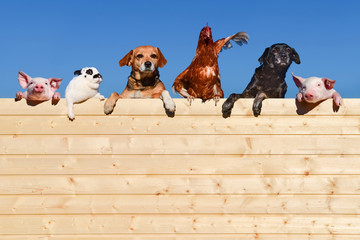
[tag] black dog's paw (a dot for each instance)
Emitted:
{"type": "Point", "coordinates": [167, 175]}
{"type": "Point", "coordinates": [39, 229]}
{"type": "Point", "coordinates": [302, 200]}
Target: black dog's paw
{"type": "Point", "coordinates": [257, 109]}
{"type": "Point", "coordinates": [256, 112]}
{"type": "Point", "coordinates": [226, 109]}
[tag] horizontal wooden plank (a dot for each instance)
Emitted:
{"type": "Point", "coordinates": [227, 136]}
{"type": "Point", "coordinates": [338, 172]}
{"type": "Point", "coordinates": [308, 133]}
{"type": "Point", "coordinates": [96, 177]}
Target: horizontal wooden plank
{"type": "Point", "coordinates": [196, 236]}
{"type": "Point", "coordinates": [184, 125]}
{"type": "Point", "coordinates": [180, 204]}
{"type": "Point", "coordinates": [180, 164]}
{"type": "Point", "coordinates": [179, 144]}
{"type": "Point", "coordinates": [117, 224]}
{"type": "Point", "coordinates": [179, 184]}
{"type": "Point", "coordinates": [133, 107]}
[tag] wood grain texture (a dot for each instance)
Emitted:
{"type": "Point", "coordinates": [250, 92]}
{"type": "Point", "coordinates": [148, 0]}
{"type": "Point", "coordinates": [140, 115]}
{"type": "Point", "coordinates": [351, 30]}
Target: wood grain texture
{"type": "Point", "coordinates": [181, 164]}
{"type": "Point", "coordinates": [178, 144]}
{"type": "Point", "coordinates": [180, 125]}
{"type": "Point", "coordinates": [197, 236]}
{"type": "Point", "coordinates": [179, 184]}
{"type": "Point", "coordinates": [160, 224]}
{"type": "Point", "coordinates": [180, 204]}
{"type": "Point", "coordinates": [154, 107]}
{"type": "Point", "coordinates": [292, 173]}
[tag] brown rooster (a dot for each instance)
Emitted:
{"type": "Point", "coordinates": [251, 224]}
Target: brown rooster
{"type": "Point", "coordinates": [202, 79]}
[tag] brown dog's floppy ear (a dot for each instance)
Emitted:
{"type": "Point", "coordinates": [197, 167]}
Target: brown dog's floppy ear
{"type": "Point", "coordinates": [264, 56]}
{"type": "Point", "coordinates": [126, 60]}
{"type": "Point", "coordinates": [162, 61]}
{"type": "Point", "coordinates": [295, 56]}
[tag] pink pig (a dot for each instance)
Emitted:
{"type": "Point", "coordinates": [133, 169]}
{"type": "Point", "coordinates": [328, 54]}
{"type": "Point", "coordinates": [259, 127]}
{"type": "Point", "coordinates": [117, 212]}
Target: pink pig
{"type": "Point", "coordinates": [38, 89]}
{"type": "Point", "coordinates": [314, 89]}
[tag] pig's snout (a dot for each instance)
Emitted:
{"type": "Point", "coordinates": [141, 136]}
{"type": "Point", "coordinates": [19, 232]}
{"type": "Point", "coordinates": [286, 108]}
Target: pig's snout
{"type": "Point", "coordinates": [39, 88]}
{"type": "Point", "coordinates": [309, 96]}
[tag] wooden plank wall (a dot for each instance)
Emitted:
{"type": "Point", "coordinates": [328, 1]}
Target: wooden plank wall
{"type": "Point", "coordinates": [140, 175]}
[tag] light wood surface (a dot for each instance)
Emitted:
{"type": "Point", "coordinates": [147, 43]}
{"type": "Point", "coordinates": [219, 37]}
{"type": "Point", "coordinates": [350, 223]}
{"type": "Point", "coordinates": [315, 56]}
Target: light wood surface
{"type": "Point", "coordinates": [291, 173]}
{"type": "Point", "coordinates": [135, 164]}
{"type": "Point", "coordinates": [180, 204]}
{"type": "Point", "coordinates": [177, 236]}
{"type": "Point", "coordinates": [170, 223]}
{"type": "Point", "coordinates": [179, 144]}
{"type": "Point", "coordinates": [154, 107]}
{"type": "Point", "coordinates": [178, 184]}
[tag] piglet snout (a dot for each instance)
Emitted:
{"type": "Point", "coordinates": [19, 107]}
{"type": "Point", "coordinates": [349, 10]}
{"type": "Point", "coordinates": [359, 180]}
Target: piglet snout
{"type": "Point", "coordinates": [309, 96]}
{"type": "Point", "coordinates": [39, 88]}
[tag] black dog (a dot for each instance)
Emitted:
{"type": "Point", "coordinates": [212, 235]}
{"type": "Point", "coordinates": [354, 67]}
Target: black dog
{"type": "Point", "coordinates": [268, 80]}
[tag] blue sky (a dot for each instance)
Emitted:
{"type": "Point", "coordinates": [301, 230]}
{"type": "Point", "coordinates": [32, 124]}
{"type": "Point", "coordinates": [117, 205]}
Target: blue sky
{"type": "Point", "coordinates": [47, 38]}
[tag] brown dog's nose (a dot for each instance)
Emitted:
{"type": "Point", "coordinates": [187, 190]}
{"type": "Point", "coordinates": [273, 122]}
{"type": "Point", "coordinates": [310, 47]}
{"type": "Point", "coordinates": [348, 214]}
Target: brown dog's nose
{"type": "Point", "coordinates": [147, 64]}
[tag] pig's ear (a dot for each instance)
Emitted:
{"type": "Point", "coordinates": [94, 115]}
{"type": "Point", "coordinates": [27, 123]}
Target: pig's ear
{"type": "Point", "coordinates": [329, 84]}
{"type": "Point", "coordinates": [127, 59]}
{"type": "Point", "coordinates": [298, 80]}
{"type": "Point", "coordinates": [55, 83]}
{"type": "Point", "coordinates": [77, 72]}
{"type": "Point", "coordinates": [24, 79]}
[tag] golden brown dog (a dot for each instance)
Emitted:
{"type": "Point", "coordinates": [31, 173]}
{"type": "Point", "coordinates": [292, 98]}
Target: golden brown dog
{"type": "Point", "coordinates": [144, 80]}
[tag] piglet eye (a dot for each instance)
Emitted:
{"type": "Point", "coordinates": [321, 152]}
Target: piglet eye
{"type": "Point", "coordinates": [319, 84]}
{"type": "Point", "coordinates": [153, 56]}
{"type": "Point", "coordinates": [46, 83]}
{"type": "Point", "coordinates": [139, 56]}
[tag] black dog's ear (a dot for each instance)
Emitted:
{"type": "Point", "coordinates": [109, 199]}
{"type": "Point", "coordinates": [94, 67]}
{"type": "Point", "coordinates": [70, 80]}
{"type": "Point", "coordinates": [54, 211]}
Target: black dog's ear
{"type": "Point", "coordinates": [264, 56]}
{"type": "Point", "coordinates": [77, 72]}
{"type": "Point", "coordinates": [295, 56]}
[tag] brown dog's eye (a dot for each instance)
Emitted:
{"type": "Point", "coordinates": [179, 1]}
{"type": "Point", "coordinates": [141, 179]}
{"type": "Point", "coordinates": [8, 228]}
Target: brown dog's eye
{"type": "Point", "coordinates": [140, 56]}
{"type": "Point", "coordinates": [153, 56]}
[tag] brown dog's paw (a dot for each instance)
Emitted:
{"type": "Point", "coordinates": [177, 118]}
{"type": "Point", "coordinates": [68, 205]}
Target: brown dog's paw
{"type": "Point", "coordinates": [108, 108]}
{"type": "Point", "coordinates": [110, 103]}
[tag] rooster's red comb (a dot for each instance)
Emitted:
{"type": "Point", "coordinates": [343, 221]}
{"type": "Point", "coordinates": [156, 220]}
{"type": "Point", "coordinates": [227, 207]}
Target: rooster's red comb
{"type": "Point", "coordinates": [207, 26]}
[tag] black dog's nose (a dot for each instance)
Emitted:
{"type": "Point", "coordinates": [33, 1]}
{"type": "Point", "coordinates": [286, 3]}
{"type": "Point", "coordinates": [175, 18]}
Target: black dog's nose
{"type": "Point", "coordinates": [283, 55]}
{"type": "Point", "coordinates": [147, 64]}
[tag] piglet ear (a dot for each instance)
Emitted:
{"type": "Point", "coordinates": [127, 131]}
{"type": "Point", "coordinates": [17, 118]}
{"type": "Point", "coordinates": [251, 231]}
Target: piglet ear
{"type": "Point", "coordinates": [329, 84]}
{"type": "Point", "coordinates": [298, 80]}
{"type": "Point", "coordinates": [55, 83]}
{"type": "Point", "coordinates": [24, 79]}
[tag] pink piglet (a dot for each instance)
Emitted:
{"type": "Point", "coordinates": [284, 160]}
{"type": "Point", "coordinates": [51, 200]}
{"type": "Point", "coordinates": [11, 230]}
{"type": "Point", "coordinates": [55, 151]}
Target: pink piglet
{"type": "Point", "coordinates": [315, 89]}
{"type": "Point", "coordinates": [38, 89]}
